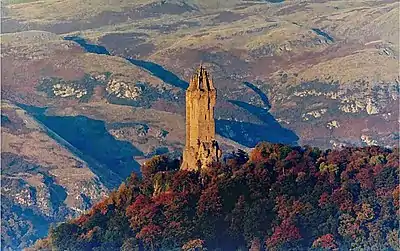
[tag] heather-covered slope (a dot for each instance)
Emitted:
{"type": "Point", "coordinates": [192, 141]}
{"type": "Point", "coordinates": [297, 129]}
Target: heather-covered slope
{"type": "Point", "coordinates": [280, 198]}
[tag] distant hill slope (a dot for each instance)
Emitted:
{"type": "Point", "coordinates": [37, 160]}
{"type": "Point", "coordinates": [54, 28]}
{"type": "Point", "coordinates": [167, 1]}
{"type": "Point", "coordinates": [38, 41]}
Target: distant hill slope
{"type": "Point", "coordinates": [328, 69]}
{"type": "Point", "coordinates": [281, 198]}
{"type": "Point", "coordinates": [42, 180]}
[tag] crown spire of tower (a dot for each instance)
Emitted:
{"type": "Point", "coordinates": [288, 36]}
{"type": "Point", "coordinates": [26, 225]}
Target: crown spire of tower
{"type": "Point", "coordinates": [201, 80]}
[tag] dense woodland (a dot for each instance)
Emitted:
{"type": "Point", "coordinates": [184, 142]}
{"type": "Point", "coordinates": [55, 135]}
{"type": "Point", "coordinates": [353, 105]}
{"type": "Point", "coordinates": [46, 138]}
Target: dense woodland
{"type": "Point", "coordinates": [276, 198]}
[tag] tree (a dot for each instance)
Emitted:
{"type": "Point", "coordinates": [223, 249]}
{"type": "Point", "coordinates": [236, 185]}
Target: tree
{"type": "Point", "coordinates": [130, 244]}
{"type": "Point", "coordinates": [326, 241]}
{"type": "Point", "coordinates": [209, 213]}
{"type": "Point", "coordinates": [283, 233]}
{"type": "Point", "coordinates": [65, 237]}
{"type": "Point", "coordinates": [154, 165]}
{"type": "Point", "coordinates": [194, 245]}
{"type": "Point", "coordinates": [150, 234]}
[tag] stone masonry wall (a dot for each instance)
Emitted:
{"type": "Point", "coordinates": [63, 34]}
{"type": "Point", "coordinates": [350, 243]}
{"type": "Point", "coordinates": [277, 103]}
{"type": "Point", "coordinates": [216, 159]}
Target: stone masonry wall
{"type": "Point", "coordinates": [201, 148]}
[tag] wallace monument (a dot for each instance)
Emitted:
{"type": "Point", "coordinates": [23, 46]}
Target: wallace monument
{"type": "Point", "coordinates": [201, 148]}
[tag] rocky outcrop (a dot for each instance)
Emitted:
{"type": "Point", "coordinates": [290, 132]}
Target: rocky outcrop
{"type": "Point", "coordinates": [371, 108]}
{"type": "Point", "coordinates": [314, 114]}
{"type": "Point", "coordinates": [68, 91]}
{"type": "Point", "coordinates": [368, 140]}
{"type": "Point", "coordinates": [123, 90]}
{"type": "Point", "coordinates": [333, 124]}
{"type": "Point", "coordinates": [352, 105]}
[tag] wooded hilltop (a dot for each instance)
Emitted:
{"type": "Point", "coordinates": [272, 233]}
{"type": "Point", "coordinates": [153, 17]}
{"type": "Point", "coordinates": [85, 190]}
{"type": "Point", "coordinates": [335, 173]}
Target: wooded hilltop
{"type": "Point", "coordinates": [278, 197]}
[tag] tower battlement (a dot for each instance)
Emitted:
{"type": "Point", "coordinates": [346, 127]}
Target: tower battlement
{"type": "Point", "coordinates": [201, 148]}
{"type": "Point", "coordinates": [201, 80]}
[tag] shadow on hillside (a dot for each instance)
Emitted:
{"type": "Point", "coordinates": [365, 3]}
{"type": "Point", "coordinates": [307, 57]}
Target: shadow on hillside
{"type": "Point", "coordinates": [92, 138]}
{"type": "Point", "coordinates": [262, 95]}
{"type": "Point", "coordinates": [110, 159]}
{"type": "Point", "coordinates": [91, 48]}
{"type": "Point", "coordinates": [161, 73]}
{"type": "Point", "coordinates": [247, 134]}
{"type": "Point", "coordinates": [155, 69]}
{"type": "Point", "coordinates": [270, 130]}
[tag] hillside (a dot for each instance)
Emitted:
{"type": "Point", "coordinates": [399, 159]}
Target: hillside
{"type": "Point", "coordinates": [279, 197]}
{"type": "Point", "coordinates": [42, 180]}
{"type": "Point", "coordinates": [317, 72]}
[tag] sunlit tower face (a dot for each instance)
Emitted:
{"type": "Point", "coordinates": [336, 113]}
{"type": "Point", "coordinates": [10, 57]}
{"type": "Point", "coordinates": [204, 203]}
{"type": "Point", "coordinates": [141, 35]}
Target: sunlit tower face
{"type": "Point", "coordinates": [200, 124]}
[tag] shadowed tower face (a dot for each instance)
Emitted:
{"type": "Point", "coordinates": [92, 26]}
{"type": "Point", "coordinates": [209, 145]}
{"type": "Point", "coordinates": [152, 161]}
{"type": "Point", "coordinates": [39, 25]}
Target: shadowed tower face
{"type": "Point", "coordinates": [201, 148]}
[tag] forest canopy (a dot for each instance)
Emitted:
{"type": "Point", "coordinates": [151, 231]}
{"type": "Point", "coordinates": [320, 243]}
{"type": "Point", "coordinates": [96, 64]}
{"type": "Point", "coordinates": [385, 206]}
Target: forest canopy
{"type": "Point", "coordinates": [278, 197]}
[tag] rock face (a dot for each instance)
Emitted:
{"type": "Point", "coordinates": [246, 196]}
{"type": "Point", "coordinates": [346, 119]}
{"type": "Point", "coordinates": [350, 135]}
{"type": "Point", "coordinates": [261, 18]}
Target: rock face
{"type": "Point", "coordinates": [124, 90]}
{"type": "Point", "coordinates": [201, 147]}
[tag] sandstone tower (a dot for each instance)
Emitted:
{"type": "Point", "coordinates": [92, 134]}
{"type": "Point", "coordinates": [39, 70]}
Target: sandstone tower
{"type": "Point", "coordinates": [201, 147]}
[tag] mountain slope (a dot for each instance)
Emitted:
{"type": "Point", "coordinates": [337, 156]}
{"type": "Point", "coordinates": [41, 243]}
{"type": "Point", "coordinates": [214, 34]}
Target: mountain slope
{"type": "Point", "coordinates": [42, 181]}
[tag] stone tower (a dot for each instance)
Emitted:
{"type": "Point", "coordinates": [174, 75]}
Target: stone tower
{"type": "Point", "coordinates": [201, 148]}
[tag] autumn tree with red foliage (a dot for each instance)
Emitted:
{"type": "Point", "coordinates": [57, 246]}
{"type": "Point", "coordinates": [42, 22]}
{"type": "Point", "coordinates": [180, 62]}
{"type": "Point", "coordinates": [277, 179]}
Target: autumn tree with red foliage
{"type": "Point", "coordinates": [326, 242]}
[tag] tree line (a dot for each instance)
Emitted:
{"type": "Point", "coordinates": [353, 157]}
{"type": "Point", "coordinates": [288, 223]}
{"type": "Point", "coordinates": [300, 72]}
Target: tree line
{"type": "Point", "coordinates": [278, 197]}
